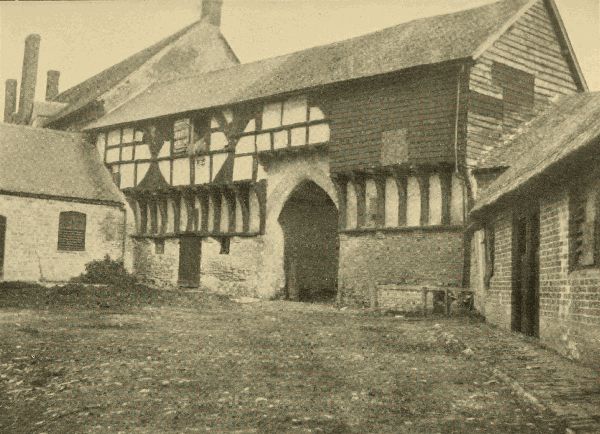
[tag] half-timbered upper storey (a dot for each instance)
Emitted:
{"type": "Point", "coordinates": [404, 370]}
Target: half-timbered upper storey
{"type": "Point", "coordinates": [422, 99]}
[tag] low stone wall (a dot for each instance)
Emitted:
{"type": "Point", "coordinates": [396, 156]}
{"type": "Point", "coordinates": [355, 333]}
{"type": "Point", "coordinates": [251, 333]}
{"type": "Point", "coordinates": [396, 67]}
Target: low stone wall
{"type": "Point", "coordinates": [412, 257]}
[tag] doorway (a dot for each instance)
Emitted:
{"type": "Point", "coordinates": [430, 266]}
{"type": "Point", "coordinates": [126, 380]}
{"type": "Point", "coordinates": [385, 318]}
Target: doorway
{"type": "Point", "coordinates": [525, 272]}
{"type": "Point", "coordinates": [2, 243]}
{"type": "Point", "coordinates": [190, 252]}
{"type": "Point", "coordinates": [309, 220]}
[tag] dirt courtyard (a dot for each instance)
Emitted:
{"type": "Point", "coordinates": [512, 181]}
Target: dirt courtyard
{"type": "Point", "coordinates": [197, 363]}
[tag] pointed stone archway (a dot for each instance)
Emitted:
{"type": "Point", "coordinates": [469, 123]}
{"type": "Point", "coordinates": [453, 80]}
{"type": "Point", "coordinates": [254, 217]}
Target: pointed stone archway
{"type": "Point", "coordinates": [309, 221]}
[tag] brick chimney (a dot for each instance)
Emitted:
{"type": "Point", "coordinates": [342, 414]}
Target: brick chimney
{"type": "Point", "coordinates": [28, 78]}
{"type": "Point", "coordinates": [211, 11]}
{"type": "Point", "coordinates": [10, 99]}
{"type": "Point", "coordinates": [52, 78]}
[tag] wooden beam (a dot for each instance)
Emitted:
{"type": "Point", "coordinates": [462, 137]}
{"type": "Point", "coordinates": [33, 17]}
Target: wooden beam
{"type": "Point", "coordinates": [401, 183]}
{"type": "Point", "coordinates": [424, 193]}
{"type": "Point", "coordinates": [380, 186]}
{"type": "Point", "coordinates": [446, 186]}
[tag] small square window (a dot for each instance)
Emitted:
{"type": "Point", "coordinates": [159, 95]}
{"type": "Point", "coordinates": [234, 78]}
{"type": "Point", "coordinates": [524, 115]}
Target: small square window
{"type": "Point", "coordinates": [225, 243]}
{"type": "Point", "coordinates": [159, 247]}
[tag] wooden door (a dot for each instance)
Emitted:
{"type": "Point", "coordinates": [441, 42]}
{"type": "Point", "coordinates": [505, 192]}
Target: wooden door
{"type": "Point", "coordinates": [525, 300]}
{"type": "Point", "coordinates": [2, 243]}
{"type": "Point", "coordinates": [190, 250]}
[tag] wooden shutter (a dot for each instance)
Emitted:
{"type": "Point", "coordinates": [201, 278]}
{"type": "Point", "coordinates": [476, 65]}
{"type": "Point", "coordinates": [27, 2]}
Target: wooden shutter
{"type": "Point", "coordinates": [71, 231]}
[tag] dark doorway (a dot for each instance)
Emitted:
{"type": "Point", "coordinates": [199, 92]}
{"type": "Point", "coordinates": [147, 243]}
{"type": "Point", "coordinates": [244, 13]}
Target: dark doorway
{"type": "Point", "coordinates": [190, 250]}
{"type": "Point", "coordinates": [525, 271]}
{"type": "Point", "coordinates": [309, 220]}
{"type": "Point", "coordinates": [2, 243]}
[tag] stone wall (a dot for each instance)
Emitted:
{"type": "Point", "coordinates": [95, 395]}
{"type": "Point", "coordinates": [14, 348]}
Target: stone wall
{"type": "Point", "coordinates": [31, 248]}
{"type": "Point", "coordinates": [237, 273]}
{"type": "Point", "coordinates": [569, 304]}
{"type": "Point", "coordinates": [153, 267]}
{"type": "Point", "coordinates": [374, 263]}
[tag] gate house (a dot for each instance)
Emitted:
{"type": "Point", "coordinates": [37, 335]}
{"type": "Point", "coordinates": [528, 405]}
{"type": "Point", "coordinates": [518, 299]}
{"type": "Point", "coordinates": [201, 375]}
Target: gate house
{"type": "Point", "coordinates": [342, 169]}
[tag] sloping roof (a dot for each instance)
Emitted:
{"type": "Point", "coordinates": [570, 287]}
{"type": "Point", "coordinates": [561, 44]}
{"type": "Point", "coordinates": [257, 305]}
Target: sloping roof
{"type": "Point", "coordinates": [425, 41]}
{"type": "Point", "coordinates": [93, 88]}
{"type": "Point", "coordinates": [571, 124]}
{"type": "Point", "coordinates": [46, 162]}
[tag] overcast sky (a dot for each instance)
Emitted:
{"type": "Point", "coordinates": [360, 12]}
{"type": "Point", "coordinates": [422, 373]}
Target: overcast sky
{"type": "Point", "coordinates": [81, 38]}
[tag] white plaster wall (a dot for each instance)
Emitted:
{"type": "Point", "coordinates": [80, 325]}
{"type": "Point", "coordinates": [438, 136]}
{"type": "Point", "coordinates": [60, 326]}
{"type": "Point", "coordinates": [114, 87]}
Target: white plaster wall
{"type": "Point", "coordinates": [435, 200]}
{"type": "Point", "coordinates": [370, 203]}
{"type": "Point", "coordinates": [457, 201]}
{"type": "Point", "coordinates": [351, 207]}
{"type": "Point", "coordinates": [31, 252]}
{"type": "Point", "coordinates": [391, 203]}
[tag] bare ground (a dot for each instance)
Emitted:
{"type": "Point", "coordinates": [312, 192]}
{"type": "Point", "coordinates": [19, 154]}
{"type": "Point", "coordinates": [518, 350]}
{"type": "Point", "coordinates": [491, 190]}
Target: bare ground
{"type": "Point", "coordinates": [73, 361]}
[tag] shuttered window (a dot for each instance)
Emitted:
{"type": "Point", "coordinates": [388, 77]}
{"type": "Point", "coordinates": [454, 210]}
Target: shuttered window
{"type": "Point", "coordinates": [71, 231]}
{"type": "Point", "coordinates": [181, 135]}
{"type": "Point", "coordinates": [584, 228]}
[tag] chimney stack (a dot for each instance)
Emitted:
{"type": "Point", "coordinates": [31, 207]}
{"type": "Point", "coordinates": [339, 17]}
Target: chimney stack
{"type": "Point", "coordinates": [211, 11]}
{"type": "Point", "coordinates": [10, 99]}
{"type": "Point", "coordinates": [29, 78]}
{"type": "Point", "coordinates": [52, 78]}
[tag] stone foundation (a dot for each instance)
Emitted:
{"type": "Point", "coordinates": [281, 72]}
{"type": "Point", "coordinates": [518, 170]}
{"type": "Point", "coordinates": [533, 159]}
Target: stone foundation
{"type": "Point", "coordinates": [373, 262]}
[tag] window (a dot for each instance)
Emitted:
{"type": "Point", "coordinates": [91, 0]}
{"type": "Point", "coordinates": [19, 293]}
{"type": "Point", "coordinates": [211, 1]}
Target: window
{"type": "Point", "coordinates": [181, 135]}
{"type": "Point", "coordinates": [71, 231]}
{"type": "Point", "coordinates": [225, 242]}
{"type": "Point", "coordinates": [584, 228]}
{"type": "Point", "coordinates": [489, 241]}
{"type": "Point", "coordinates": [159, 247]}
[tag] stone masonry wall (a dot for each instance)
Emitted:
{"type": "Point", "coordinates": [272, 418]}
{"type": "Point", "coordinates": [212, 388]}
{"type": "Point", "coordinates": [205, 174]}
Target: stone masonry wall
{"type": "Point", "coordinates": [497, 298]}
{"type": "Point", "coordinates": [160, 269]}
{"type": "Point", "coordinates": [237, 273]}
{"type": "Point", "coordinates": [389, 268]}
{"type": "Point", "coordinates": [31, 249]}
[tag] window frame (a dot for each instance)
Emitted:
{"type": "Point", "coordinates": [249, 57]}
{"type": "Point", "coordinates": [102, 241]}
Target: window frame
{"type": "Point", "coordinates": [63, 244]}
{"type": "Point", "coordinates": [578, 198]}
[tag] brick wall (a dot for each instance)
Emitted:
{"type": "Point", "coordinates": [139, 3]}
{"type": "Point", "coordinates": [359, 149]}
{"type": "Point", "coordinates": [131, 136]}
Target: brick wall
{"type": "Point", "coordinates": [404, 260]}
{"type": "Point", "coordinates": [569, 300]}
{"type": "Point", "coordinates": [31, 249]}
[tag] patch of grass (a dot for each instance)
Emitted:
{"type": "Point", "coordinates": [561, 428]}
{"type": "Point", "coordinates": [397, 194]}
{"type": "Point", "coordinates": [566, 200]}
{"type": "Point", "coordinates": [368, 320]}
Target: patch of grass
{"type": "Point", "coordinates": [100, 297]}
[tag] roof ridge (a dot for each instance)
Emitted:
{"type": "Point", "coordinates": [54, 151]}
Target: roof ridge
{"type": "Point", "coordinates": [156, 46]}
{"type": "Point", "coordinates": [331, 44]}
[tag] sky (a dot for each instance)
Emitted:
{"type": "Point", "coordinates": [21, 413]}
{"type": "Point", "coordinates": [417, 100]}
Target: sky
{"type": "Point", "coordinates": [81, 38]}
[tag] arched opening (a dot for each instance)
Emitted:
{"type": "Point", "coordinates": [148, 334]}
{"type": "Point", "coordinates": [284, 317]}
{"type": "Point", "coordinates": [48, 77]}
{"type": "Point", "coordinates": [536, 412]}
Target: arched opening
{"type": "Point", "coordinates": [309, 220]}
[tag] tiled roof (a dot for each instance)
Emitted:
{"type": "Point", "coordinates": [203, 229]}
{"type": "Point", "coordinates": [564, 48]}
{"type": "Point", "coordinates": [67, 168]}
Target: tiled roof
{"type": "Point", "coordinates": [421, 42]}
{"type": "Point", "coordinates": [572, 123]}
{"type": "Point", "coordinates": [52, 163]}
{"type": "Point", "coordinates": [196, 37]}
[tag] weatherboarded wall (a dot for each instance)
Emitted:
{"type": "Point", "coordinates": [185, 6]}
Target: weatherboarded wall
{"type": "Point", "coordinates": [569, 304]}
{"type": "Point", "coordinates": [31, 246]}
{"type": "Point", "coordinates": [514, 80]}
{"type": "Point", "coordinates": [400, 118]}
